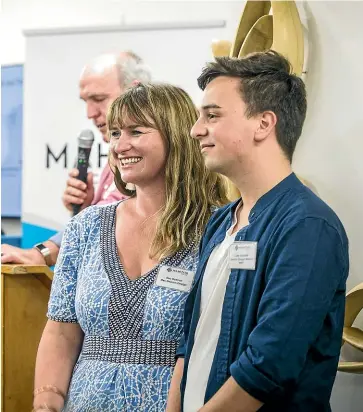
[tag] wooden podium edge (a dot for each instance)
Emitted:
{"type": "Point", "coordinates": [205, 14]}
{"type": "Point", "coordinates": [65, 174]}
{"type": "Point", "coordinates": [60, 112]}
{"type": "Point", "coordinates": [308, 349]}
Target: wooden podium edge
{"type": "Point", "coordinates": [40, 272]}
{"type": "Point", "coordinates": [27, 269]}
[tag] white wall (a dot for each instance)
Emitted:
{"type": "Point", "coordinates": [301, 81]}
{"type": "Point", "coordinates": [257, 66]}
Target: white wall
{"type": "Point", "coordinates": [28, 14]}
{"type": "Point", "coordinates": [331, 148]}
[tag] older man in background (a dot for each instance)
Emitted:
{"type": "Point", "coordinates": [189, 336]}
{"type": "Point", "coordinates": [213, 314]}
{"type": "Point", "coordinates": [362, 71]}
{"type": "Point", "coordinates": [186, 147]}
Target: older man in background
{"type": "Point", "coordinates": [101, 82]}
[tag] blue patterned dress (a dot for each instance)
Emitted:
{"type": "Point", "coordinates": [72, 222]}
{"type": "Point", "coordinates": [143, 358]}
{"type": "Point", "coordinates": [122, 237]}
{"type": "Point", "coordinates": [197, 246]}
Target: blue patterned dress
{"type": "Point", "coordinates": [131, 328]}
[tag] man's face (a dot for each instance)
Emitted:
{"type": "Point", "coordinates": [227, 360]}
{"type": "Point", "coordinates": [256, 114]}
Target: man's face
{"type": "Point", "coordinates": [225, 134]}
{"type": "Point", "coordinates": [99, 90]}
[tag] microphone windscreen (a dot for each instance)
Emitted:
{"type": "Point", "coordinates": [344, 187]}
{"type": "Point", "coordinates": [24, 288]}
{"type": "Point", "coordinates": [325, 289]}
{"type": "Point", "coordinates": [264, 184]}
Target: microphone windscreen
{"type": "Point", "coordinates": [86, 139]}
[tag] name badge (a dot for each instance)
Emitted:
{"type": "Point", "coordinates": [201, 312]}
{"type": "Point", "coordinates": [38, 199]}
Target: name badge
{"type": "Point", "coordinates": [242, 255]}
{"type": "Point", "coordinates": [175, 278]}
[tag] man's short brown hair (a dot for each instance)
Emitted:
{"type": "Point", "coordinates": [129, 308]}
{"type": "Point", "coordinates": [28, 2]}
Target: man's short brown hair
{"type": "Point", "coordinates": [267, 84]}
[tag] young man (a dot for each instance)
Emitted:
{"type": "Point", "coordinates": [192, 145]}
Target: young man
{"type": "Point", "coordinates": [101, 82]}
{"type": "Point", "coordinates": [264, 319]}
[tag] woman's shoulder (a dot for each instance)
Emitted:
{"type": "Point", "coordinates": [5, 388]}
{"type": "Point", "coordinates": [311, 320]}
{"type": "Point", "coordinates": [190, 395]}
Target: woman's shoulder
{"type": "Point", "coordinates": [87, 215]}
{"type": "Point", "coordinates": [93, 212]}
{"type": "Point", "coordinates": [91, 215]}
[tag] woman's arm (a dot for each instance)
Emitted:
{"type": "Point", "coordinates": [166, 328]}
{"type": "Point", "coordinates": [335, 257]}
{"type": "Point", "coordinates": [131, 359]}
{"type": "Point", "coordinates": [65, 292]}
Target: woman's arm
{"type": "Point", "coordinates": [58, 352]}
{"type": "Point", "coordinates": [174, 401]}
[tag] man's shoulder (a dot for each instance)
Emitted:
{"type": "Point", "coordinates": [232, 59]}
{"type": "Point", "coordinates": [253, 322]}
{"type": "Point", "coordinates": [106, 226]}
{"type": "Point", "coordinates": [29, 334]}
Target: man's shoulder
{"type": "Point", "coordinates": [302, 205]}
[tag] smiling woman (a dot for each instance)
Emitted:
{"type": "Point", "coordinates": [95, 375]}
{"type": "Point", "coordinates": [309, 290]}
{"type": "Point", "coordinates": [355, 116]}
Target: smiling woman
{"type": "Point", "coordinates": [139, 154]}
{"type": "Point", "coordinates": [125, 269]}
{"type": "Point", "coordinates": [152, 122]}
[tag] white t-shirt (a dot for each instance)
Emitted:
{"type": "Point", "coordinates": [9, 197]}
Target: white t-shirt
{"type": "Point", "coordinates": [209, 325]}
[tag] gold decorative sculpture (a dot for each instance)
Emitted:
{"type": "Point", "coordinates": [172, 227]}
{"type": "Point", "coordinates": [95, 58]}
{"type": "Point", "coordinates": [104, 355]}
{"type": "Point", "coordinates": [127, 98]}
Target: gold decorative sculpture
{"type": "Point", "coordinates": [221, 48]}
{"type": "Point", "coordinates": [352, 335]}
{"type": "Point", "coordinates": [267, 25]}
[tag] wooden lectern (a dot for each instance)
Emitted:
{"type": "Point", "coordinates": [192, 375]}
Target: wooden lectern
{"type": "Point", "coordinates": [24, 298]}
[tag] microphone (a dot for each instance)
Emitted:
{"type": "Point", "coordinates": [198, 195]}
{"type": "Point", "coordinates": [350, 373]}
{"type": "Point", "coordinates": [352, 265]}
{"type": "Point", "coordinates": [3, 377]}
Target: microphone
{"type": "Point", "coordinates": [85, 142]}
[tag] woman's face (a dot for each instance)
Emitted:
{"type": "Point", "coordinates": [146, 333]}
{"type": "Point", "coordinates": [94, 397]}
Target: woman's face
{"type": "Point", "coordinates": [139, 153]}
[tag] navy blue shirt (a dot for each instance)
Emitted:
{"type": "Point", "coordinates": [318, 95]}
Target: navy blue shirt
{"type": "Point", "coordinates": [281, 323]}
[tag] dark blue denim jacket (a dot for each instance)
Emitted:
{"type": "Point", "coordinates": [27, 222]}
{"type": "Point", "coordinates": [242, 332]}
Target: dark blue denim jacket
{"type": "Point", "coordinates": [281, 323]}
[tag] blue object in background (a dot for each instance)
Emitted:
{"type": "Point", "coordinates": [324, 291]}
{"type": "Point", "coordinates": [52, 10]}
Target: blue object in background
{"type": "Point", "coordinates": [11, 240]}
{"type": "Point", "coordinates": [33, 234]}
{"type": "Point", "coordinates": [11, 139]}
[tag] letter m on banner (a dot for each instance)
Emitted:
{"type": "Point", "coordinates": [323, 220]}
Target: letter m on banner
{"type": "Point", "coordinates": [55, 157]}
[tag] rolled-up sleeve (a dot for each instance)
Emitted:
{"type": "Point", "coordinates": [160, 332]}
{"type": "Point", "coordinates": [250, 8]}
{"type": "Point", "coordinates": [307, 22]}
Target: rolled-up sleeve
{"type": "Point", "coordinates": [57, 238]}
{"type": "Point", "coordinates": [305, 281]}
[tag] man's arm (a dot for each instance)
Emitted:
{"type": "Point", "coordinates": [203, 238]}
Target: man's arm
{"type": "Point", "coordinates": [12, 254]}
{"type": "Point", "coordinates": [305, 278]}
{"type": "Point", "coordinates": [76, 192]}
{"type": "Point", "coordinates": [57, 238]}
{"type": "Point", "coordinates": [232, 398]}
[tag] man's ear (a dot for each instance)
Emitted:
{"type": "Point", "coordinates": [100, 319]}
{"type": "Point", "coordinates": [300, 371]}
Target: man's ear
{"type": "Point", "coordinates": [267, 124]}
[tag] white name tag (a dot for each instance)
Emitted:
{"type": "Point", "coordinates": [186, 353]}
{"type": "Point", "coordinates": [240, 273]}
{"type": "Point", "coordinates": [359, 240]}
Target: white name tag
{"type": "Point", "coordinates": [174, 278]}
{"type": "Point", "coordinates": [242, 255]}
